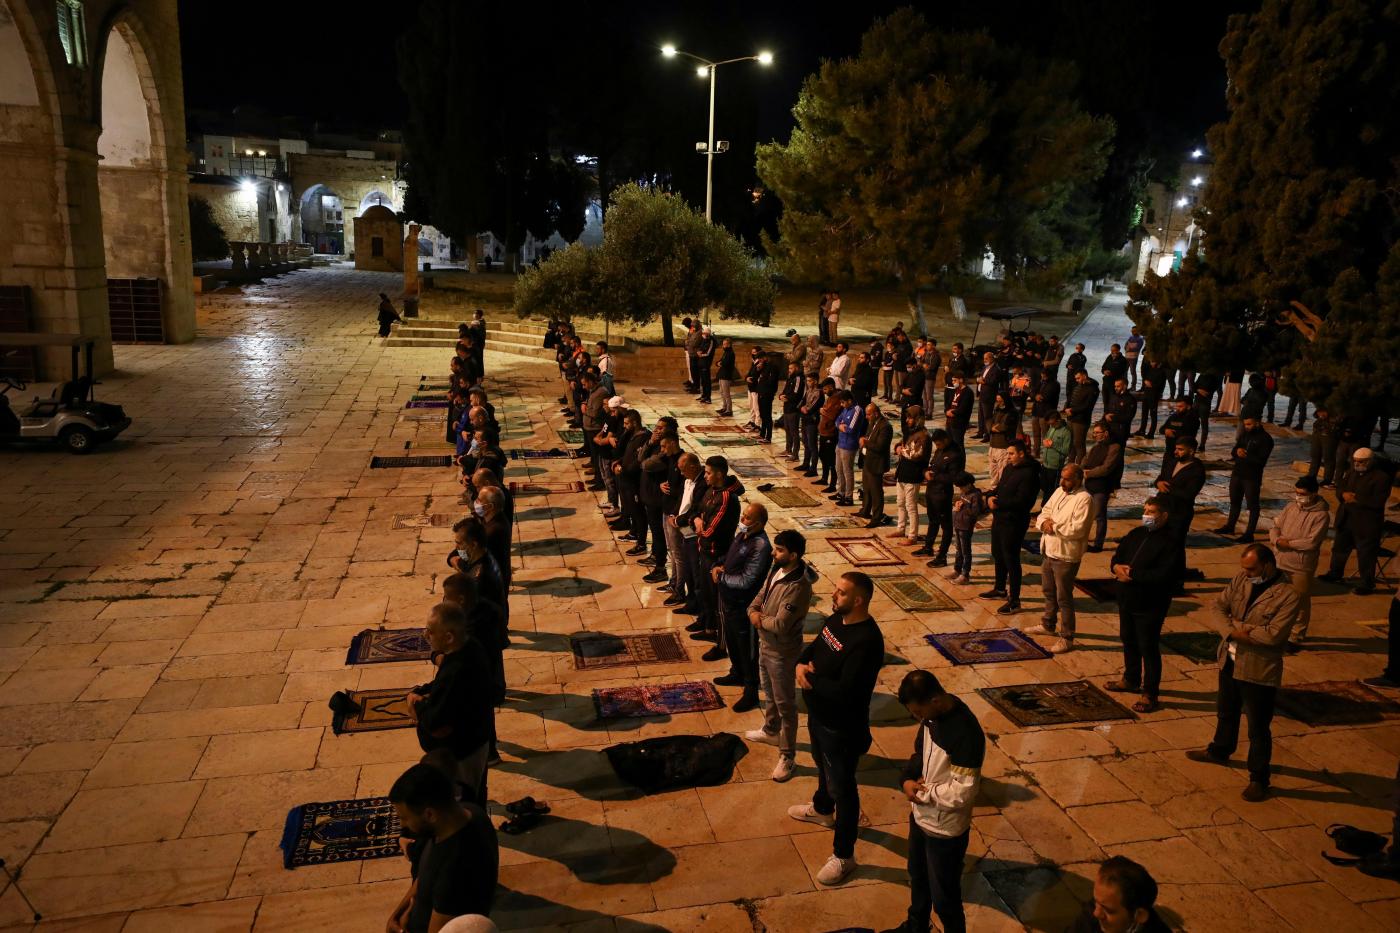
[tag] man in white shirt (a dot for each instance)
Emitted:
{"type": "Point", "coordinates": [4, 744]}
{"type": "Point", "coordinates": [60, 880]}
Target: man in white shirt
{"type": "Point", "coordinates": [833, 315]}
{"type": "Point", "coordinates": [1064, 532]}
{"type": "Point", "coordinates": [840, 368]}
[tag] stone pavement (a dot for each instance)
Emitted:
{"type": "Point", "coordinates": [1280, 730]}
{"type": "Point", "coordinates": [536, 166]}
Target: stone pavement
{"type": "Point", "coordinates": [175, 611]}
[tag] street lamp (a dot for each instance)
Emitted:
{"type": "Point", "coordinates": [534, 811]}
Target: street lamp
{"type": "Point", "coordinates": [707, 68]}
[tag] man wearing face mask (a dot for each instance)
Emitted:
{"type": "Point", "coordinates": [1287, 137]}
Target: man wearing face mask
{"type": "Point", "coordinates": [1181, 483]}
{"type": "Point", "coordinates": [1145, 566]}
{"type": "Point", "coordinates": [1297, 535]}
{"type": "Point", "coordinates": [1064, 531]}
{"type": "Point", "coordinates": [736, 581]}
{"type": "Point", "coordinates": [1362, 493]}
{"type": "Point", "coordinates": [1248, 459]}
{"type": "Point", "coordinates": [1259, 609]}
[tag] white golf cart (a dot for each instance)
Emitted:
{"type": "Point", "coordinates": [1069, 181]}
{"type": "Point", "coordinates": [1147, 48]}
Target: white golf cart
{"type": "Point", "coordinates": [69, 416]}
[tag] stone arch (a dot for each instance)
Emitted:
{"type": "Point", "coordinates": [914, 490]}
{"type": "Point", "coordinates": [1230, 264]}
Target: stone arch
{"type": "Point", "coordinates": [321, 219]}
{"type": "Point", "coordinates": [142, 183]}
{"type": "Point", "coordinates": [375, 198]}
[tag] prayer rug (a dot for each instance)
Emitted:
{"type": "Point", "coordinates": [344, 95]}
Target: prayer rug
{"type": "Point", "coordinates": [989, 647]}
{"type": "Point", "coordinates": [1100, 590]}
{"type": "Point", "coordinates": [378, 646]}
{"type": "Point", "coordinates": [1200, 647]}
{"type": "Point", "coordinates": [597, 649]}
{"type": "Point", "coordinates": [715, 427]}
{"type": "Point", "coordinates": [438, 397]}
{"type": "Point", "coordinates": [554, 453]}
{"type": "Point", "coordinates": [434, 387]}
{"type": "Point", "coordinates": [790, 497]}
{"type": "Point", "coordinates": [866, 552]}
{"type": "Point", "coordinates": [754, 468]}
{"type": "Point", "coordinates": [440, 404]}
{"type": "Point", "coordinates": [546, 487]}
{"type": "Point", "coordinates": [826, 522]}
{"type": "Point", "coordinates": [1055, 704]}
{"type": "Point", "coordinates": [340, 831]}
{"type": "Point", "coordinates": [420, 417]}
{"type": "Point", "coordinates": [379, 710]}
{"type": "Point", "coordinates": [1335, 703]}
{"type": "Point", "coordinates": [425, 520]}
{"type": "Point", "coordinates": [914, 593]}
{"type": "Point", "coordinates": [571, 435]}
{"type": "Point", "coordinates": [395, 463]}
{"type": "Point", "coordinates": [727, 442]}
{"type": "Point", "coordinates": [655, 700]}
{"type": "Point", "coordinates": [259, 478]}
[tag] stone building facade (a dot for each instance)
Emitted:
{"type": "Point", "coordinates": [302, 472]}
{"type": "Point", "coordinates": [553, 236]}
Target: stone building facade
{"type": "Point", "coordinates": [358, 184]}
{"type": "Point", "coordinates": [92, 147]}
{"type": "Point", "coordinates": [379, 241]}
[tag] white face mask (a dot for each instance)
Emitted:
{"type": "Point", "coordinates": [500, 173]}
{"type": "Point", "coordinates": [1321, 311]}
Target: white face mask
{"type": "Point", "coordinates": [1255, 581]}
{"type": "Point", "coordinates": [479, 509]}
{"type": "Point", "coordinates": [1303, 499]}
{"type": "Point", "coordinates": [745, 527]}
{"type": "Point", "coordinates": [1149, 521]}
{"type": "Point", "coordinates": [462, 553]}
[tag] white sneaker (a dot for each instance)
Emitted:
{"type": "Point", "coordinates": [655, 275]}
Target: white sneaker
{"type": "Point", "coordinates": [963, 580]}
{"type": "Point", "coordinates": [1061, 645]}
{"type": "Point", "coordinates": [805, 813]}
{"type": "Point", "coordinates": [758, 735]}
{"type": "Point", "coordinates": [782, 771]}
{"type": "Point", "coordinates": [836, 870]}
{"type": "Point", "coordinates": [953, 575]}
{"type": "Point", "coordinates": [1037, 630]}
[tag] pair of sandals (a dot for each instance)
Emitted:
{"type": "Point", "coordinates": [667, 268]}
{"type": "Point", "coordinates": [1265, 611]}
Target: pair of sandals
{"type": "Point", "coordinates": [1145, 705]}
{"type": "Point", "coordinates": [526, 814]}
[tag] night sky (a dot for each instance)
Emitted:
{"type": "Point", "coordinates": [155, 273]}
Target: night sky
{"type": "Point", "coordinates": [352, 83]}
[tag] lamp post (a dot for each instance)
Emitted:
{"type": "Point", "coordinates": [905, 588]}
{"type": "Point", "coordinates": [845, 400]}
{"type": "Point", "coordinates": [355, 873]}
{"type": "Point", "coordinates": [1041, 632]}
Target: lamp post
{"type": "Point", "coordinates": [708, 69]}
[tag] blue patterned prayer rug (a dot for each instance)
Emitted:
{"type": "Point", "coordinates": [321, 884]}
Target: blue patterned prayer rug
{"type": "Point", "coordinates": [655, 700]}
{"type": "Point", "coordinates": [440, 404]}
{"type": "Point", "coordinates": [988, 647]}
{"type": "Point", "coordinates": [340, 831]}
{"type": "Point", "coordinates": [377, 646]}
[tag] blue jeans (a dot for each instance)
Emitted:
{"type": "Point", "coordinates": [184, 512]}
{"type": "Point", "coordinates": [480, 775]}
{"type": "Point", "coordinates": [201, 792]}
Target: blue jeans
{"type": "Point", "coordinates": [962, 552]}
{"type": "Point", "coordinates": [836, 754]}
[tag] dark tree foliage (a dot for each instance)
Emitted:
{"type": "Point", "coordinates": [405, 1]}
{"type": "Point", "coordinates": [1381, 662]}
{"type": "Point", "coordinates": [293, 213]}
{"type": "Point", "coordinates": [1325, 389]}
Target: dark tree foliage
{"type": "Point", "coordinates": [912, 158]}
{"type": "Point", "coordinates": [1303, 201]}
{"type": "Point", "coordinates": [477, 135]}
{"type": "Point", "coordinates": [207, 239]}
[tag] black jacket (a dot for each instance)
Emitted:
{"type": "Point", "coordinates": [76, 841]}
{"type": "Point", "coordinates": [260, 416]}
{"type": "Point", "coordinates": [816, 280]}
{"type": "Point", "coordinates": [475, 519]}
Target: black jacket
{"type": "Point", "coordinates": [726, 370]}
{"type": "Point", "coordinates": [1257, 446]}
{"type": "Point", "coordinates": [1103, 467]}
{"type": "Point", "coordinates": [1081, 401]}
{"type": "Point", "coordinates": [1154, 555]}
{"type": "Point", "coordinates": [961, 407]}
{"type": "Point", "coordinates": [1017, 491]}
{"type": "Point", "coordinates": [1183, 485]}
{"type": "Point", "coordinates": [455, 712]}
{"type": "Point", "coordinates": [793, 391]}
{"type": "Point", "coordinates": [1181, 424]}
{"type": "Point", "coordinates": [767, 382]}
{"type": "Point", "coordinates": [656, 466]}
{"type": "Point", "coordinates": [1047, 398]}
{"type": "Point", "coordinates": [719, 513]}
{"type": "Point", "coordinates": [943, 467]}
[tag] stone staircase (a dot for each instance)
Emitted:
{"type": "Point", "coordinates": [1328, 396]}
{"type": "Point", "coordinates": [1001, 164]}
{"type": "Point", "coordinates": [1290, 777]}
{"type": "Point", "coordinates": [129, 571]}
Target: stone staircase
{"type": "Point", "coordinates": [520, 338]}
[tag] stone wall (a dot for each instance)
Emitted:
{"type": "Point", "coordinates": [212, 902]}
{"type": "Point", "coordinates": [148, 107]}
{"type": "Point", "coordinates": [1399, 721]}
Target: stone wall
{"type": "Point", "coordinates": [239, 215]}
{"type": "Point", "coordinates": [351, 179]}
{"type": "Point", "coordinates": [53, 240]}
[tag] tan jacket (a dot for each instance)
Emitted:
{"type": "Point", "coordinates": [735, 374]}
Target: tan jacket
{"type": "Point", "coordinates": [782, 602]}
{"type": "Point", "coordinates": [1259, 657]}
{"type": "Point", "coordinates": [1304, 528]}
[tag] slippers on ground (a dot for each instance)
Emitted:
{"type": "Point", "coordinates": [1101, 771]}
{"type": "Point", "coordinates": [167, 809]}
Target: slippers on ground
{"type": "Point", "coordinates": [526, 805]}
{"type": "Point", "coordinates": [1146, 706]}
{"type": "Point", "coordinates": [524, 822]}
{"type": "Point", "coordinates": [1117, 686]}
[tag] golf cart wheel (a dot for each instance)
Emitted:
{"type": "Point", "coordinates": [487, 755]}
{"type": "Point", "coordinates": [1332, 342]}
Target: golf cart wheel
{"type": "Point", "coordinates": [77, 440]}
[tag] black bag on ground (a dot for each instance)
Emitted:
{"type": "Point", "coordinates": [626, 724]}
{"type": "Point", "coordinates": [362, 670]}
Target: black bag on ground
{"type": "Point", "coordinates": [670, 762]}
{"type": "Point", "coordinates": [1358, 843]}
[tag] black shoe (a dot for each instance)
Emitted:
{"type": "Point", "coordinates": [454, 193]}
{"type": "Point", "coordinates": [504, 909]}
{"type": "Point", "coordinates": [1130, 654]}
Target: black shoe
{"type": "Point", "coordinates": [728, 680]}
{"type": "Point", "coordinates": [829, 488]}
{"type": "Point", "coordinates": [714, 654]}
{"type": "Point", "coordinates": [1226, 530]}
{"type": "Point", "coordinates": [1094, 548]}
{"type": "Point", "coordinates": [992, 594]}
{"type": "Point", "coordinates": [1363, 590]}
{"type": "Point", "coordinates": [674, 602]}
{"type": "Point", "coordinates": [619, 526]}
{"type": "Point", "coordinates": [1330, 577]}
{"type": "Point", "coordinates": [875, 522]}
{"type": "Point", "coordinates": [1008, 609]}
{"type": "Point", "coordinates": [1246, 538]}
{"type": "Point", "coordinates": [809, 472]}
{"type": "Point", "coordinates": [664, 588]}
{"type": "Point", "coordinates": [634, 551]}
{"type": "Point", "coordinates": [627, 537]}
{"type": "Point", "coordinates": [704, 636]}
{"type": "Point", "coordinates": [837, 497]}
{"type": "Point", "coordinates": [697, 626]}
{"type": "Point", "coordinates": [748, 701]}
{"type": "Point", "coordinates": [924, 551]}
{"type": "Point", "coordinates": [940, 560]}
{"type": "Point", "coordinates": [656, 576]}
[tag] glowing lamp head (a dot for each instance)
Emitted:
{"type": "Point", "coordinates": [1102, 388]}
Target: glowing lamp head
{"type": "Point", "coordinates": [248, 186]}
{"type": "Point", "coordinates": [1196, 153]}
{"type": "Point", "coordinates": [1180, 202]}
{"type": "Point", "coordinates": [1197, 181]}
{"type": "Point", "coordinates": [702, 71]}
{"type": "Point", "coordinates": [669, 51]}
{"type": "Point", "coordinates": [765, 58]}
